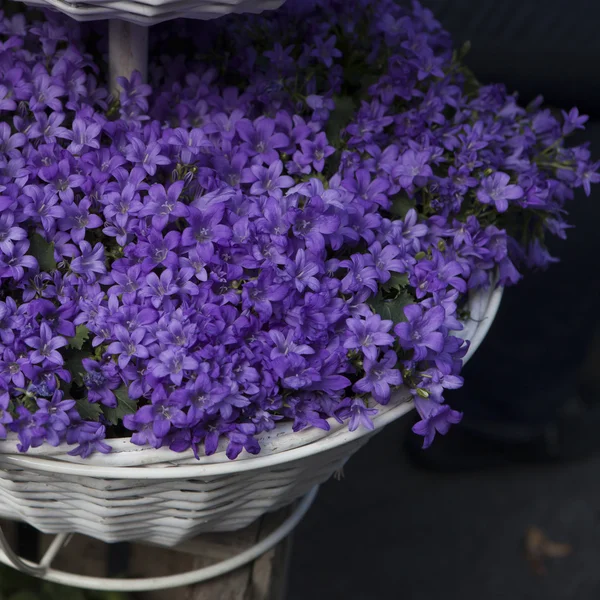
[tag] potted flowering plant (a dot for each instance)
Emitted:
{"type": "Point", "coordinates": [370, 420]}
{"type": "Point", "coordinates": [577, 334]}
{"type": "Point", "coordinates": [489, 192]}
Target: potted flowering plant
{"type": "Point", "coordinates": [284, 228]}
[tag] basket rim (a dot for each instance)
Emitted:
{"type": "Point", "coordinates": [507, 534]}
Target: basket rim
{"type": "Point", "coordinates": [280, 446]}
{"type": "Point", "coordinates": [152, 12]}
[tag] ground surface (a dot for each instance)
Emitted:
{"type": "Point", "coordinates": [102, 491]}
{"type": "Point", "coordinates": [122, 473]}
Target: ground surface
{"type": "Point", "coordinates": [387, 531]}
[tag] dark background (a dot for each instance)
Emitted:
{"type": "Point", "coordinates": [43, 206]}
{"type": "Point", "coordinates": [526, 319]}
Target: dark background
{"type": "Point", "coordinates": [550, 47]}
{"type": "Point", "coordinates": [390, 531]}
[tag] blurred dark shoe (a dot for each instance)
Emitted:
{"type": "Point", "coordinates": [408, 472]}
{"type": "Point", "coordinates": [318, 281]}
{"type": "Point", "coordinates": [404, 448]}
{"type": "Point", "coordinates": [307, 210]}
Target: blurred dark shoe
{"type": "Point", "coordinates": [572, 435]}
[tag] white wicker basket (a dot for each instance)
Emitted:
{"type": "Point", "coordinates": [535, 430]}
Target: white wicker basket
{"type": "Point", "coordinates": [150, 12]}
{"type": "Point", "coordinates": [157, 496]}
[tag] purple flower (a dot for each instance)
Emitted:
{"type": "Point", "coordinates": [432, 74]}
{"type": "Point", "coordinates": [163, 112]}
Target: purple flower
{"type": "Point", "coordinates": [164, 206]}
{"type": "Point", "coordinates": [205, 226]}
{"type": "Point", "coordinates": [100, 381]}
{"type": "Point", "coordinates": [89, 437]}
{"type": "Point", "coordinates": [210, 432]}
{"type": "Point", "coordinates": [134, 91]}
{"type": "Point", "coordinates": [316, 151]}
{"type": "Point", "coordinates": [202, 396]}
{"type": "Point", "coordinates": [198, 260]}
{"type": "Point", "coordinates": [421, 333]}
{"type": "Point", "coordinates": [220, 250]}
{"type": "Point", "coordinates": [586, 175]}
{"type": "Point", "coordinates": [128, 345]}
{"type": "Point", "coordinates": [325, 50]}
{"type": "Point", "coordinates": [384, 261]}
{"type": "Point", "coordinates": [413, 169]}
{"type": "Point", "coordinates": [11, 319]}
{"type": "Point", "coordinates": [60, 180]}
{"type": "Point", "coordinates": [91, 262]}
{"type": "Point", "coordinates": [159, 288]}
{"type": "Point", "coordinates": [189, 143]}
{"type": "Point", "coordinates": [172, 363]}
{"type": "Point", "coordinates": [270, 180]}
{"type": "Point", "coordinates": [303, 272]}
{"type": "Point", "coordinates": [359, 415]}
{"type": "Point", "coordinates": [142, 425]}
{"type": "Point", "coordinates": [6, 103]}
{"type": "Point", "coordinates": [161, 414]}
{"type": "Point", "coordinates": [496, 189]}
{"type": "Point", "coordinates": [45, 346]}
{"type": "Point", "coordinates": [367, 334]}
{"type": "Point", "coordinates": [78, 218]}
{"type": "Point", "coordinates": [435, 418]}
{"type": "Point", "coordinates": [439, 380]}
{"type": "Point", "coordinates": [83, 135]}
{"type": "Point", "coordinates": [295, 371]}
{"type": "Point", "coordinates": [58, 317]}
{"type": "Point", "coordinates": [159, 250]}
{"type": "Point", "coordinates": [53, 414]}
{"type": "Point", "coordinates": [242, 438]}
{"type": "Point", "coordinates": [262, 293]}
{"type": "Point", "coordinates": [9, 233]}
{"type": "Point", "coordinates": [45, 94]}
{"type": "Point", "coordinates": [42, 205]}
{"type": "Point", "coordinates": [367, 189]}
{"type": "Point", "coordinates": [147, 156]}
{"type": "Point", "coordinates": [31, 434]}
{"type": "Point", "coordinates": [361, 274]}
{"type": "Point", "coordinates": [260, 139]}
{"type": "Point", "coordinates": [313, 223]}
{"type": "Point", "coordinates": [379, 376]}
{"type": "Point", "coordinates": [285, 345]}
{"type": "Point", "coordinates": [5, 416]}
{"type": "Point", "coordinates": [49, 127]}
{"type": "Point", "coordinates": [9, 142]}
{"type": "Point", "coordinates": [11, 368]}
{"type": "Point", "coordinates": [127, 283]}
{"type": "Point", "coordinates": [573, 120]}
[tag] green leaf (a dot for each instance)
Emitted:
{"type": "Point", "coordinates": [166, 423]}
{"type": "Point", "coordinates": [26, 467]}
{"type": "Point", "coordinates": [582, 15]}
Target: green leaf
{"type": "Point", "coordinates": [340, 116]}
{"type": "Point", "coordinates": [471, 85]}
{"type": "Point", "coordinates": [125, 406]}
{"type": "Point", "coordinates": [13, 582]}
{"type": "Point", "coordinates": [25, 595]}
{"type": "Point", "coordinates": [88, 411]}
{"type": "Point", "coordinates": [43, 252]}
{"type": "Point", "coordinates": [53, 591]}
{"type": "Point", "coordinates": [111, 596]}
{"type": "Point", "coordinates": [82, 333]}
{"type": "Point", "coordinates": [74, 365]}
{"type": "Point", "coordinates": [366, 82]}
{"type": "Point", "coordinates": [464, 50]}
{"type": "Point", "coordinates": [392, 310]}
{"type": "Point", "coordinates": [398, 282]}
{"type": "Point", "coordinates": [401, 204]}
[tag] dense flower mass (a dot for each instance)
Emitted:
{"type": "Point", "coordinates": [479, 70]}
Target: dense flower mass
{"type": "Point", "coordinates": [284, 225]}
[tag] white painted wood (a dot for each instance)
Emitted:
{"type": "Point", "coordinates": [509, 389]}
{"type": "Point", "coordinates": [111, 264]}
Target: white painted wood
{"type": "Point", "coordinates": [149, 12]}
{"type": "Point", "coordinates": [128, 52]}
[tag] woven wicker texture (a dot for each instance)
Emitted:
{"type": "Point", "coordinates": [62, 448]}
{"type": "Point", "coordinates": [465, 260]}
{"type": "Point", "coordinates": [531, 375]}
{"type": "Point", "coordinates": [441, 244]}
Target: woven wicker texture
{"type": "Point", "coordinates": [157, 496]}
{"type": "Point", "coordinates": [150, 12]}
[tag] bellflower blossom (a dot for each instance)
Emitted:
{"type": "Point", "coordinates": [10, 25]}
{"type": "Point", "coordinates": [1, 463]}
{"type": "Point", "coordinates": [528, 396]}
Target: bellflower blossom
{"type": "Point", "coordinates": [287, 233]}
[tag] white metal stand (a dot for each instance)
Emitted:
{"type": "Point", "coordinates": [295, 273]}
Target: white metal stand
{"type": "Point", "coordinates": [127, 51]}
{"type": "Point", "coordinates": [43, 570]}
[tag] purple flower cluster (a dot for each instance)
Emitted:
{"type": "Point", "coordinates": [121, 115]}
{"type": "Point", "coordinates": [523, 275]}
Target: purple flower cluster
{"type": "Point", "coordinates": [287, 229]}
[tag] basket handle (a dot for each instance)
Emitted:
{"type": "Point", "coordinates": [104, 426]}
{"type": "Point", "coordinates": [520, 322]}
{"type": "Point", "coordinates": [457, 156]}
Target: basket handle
{"type": "Point", "coordinates": [28, 567]}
